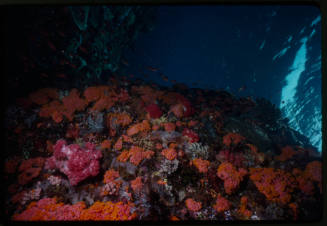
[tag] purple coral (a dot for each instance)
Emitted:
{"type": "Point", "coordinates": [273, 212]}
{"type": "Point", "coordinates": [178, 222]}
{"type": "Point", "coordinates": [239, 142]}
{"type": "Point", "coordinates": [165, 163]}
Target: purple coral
{"type": "Point", "coordinates": [75, 162]}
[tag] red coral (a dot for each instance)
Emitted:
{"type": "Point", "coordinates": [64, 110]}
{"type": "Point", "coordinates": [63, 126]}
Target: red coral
{"type": "Point", "coordinates": [232, 138]}
{"type": "Point", "coordinates": [231, 176]}
{"type": "Point", "coordinates": [154, 111]}
{"type": "Point", "coordinates": [191, 135]}
{"type": "Point", "coordinates": [76, 163]}
{"type": "Point", "coordinates": [193, 205]}
{"type": "Point", "coordinates": [277, 185]}
{"type": "Point", "coordinates": [236, 159]}
{"type": "Point", "coordinates": [222, 204]}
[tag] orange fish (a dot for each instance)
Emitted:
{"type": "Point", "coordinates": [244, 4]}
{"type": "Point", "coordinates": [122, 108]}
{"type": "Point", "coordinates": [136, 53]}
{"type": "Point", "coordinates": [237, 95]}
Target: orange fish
{"type": "Point", "coordinates": [61, 34]}
{"type": "Point", "coordinates": [153, 69]}
{"type": "Point", "coordinates": [125, 62]}
{"type": "Point", "coordinates": [84, 50]}
{"type": "Point", "coordinates": [51, 45]}
{"type": "Point", "coordinates": [242, 88]}
{"type": "Point", "coordinates": [44, 75]}
{"type": "Point", "coordinates": [61, 76]}
{"type": "Point", "coordinates": [165, 78]}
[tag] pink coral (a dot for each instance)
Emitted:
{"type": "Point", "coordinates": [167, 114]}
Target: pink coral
{"type": "Point", "coordinates": [191, 135]}
{"type": "Point", "coordinates": [76, 163]}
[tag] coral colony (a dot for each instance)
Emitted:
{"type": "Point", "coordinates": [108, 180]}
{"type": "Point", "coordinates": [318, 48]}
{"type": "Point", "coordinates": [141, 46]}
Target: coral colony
{"type": "Point", "coordinates": [140, 152]}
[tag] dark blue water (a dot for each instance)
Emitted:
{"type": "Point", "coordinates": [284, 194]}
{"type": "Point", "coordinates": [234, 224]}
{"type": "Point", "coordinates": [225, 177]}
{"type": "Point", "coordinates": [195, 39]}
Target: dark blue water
{"type": "Point", "coordinates": [248, 50]}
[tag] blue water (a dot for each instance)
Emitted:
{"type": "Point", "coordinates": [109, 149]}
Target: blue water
{"type": "Point", "coordinates": [261, 51]}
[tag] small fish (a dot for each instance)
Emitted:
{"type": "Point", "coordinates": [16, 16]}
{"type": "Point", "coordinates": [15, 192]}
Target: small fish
{"type": "Point", "coordinates": [51, 45]}
{"type": "Point", "coordinates": [61, 34]}
{"type": "Point", "coordinates": [165, 78]}
{"type": "Point", "coordinates": [44, 75]}
{"type": "Point", "coordinates": [84, 50]}
{"type": "Point", "coordinates": [125, 62]}
{"type": "Point", "coordinates": [153, 69]}
{"type": "Point", "coordinates": [242, 88]}
{"type": "Point", "coordinates": [61, 76]}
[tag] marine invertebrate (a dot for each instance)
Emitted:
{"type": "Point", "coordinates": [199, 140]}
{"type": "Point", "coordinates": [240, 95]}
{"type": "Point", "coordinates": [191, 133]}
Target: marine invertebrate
{"type": "Point", "coordinates": [201, 165]}
{"type": "Point", "coordinates": [196, 150]}
{"type": "Point", "coordinates": [232, 139]}
{"type": "Point", "coordinates": [193, 205]}
{"type": "Point", "coordinates": [222, 204]}
{"type": "Point", "coordinates": [137, 184]}
{"type": "Point", "coordinates": [287, 153]}
{"type": "Point", "coordinates": [48, 209]}
{"type": "Point", "coordinates": [277, 185]}
{"type": "Point", "coordinates": [231, 176]}
{"type": "Point", "coordinates": [169, 126]}
{"type": "Point", "coordinates": [30, 169]}
{"type": "Point", "coordinates": [154, 111]}
{"type": "Point", "coordinates": [243, 208]}
{"type": "Point", "coordinates": [144, 126]}
{"type": "Point", "coordinates": [118, 119]}
{"type": "Point", "coordinates": [191, 135]}
{"type": "Point", "coordinates": [43, 96]}
{"type": "Point", "coordinates": [75, 162]}
{"type": "Point", "coordinates": [169, 153]}
{"type": "Point", "coordinates": [135, 155]}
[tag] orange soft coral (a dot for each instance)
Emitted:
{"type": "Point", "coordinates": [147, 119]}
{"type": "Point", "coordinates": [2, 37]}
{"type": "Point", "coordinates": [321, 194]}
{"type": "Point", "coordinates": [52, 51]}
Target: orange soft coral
{"type": "Point", "coordinates": [287, 153]}
{"type": "Point", "coordinates": [119, 144]}
{"type": "Point", "coordinates": [48, 209]}
{"type": "Point", "coordinates": [232, 138]}
{"type": "Point", "coordinates": [122, 119]}
{"type": "Point", "coordinates": [106, 144]}
{"type": "Point", "coordinates": [135, 155]}
{"type": "Point", "coordinates": [30, 169]}
{"type": "Point", "coordinates": [137, 184]}
{"type": "Point", "coordinates": [43, 96]}
{"type": "Point", "coordinates": [277, 185]}
{"type": "Point", "coordinates": [110, 176]}
{"type": "Point", "coordinates": [222, 204]}
{"type": "Point", "coordinates": [201, 165]}
{"type": "Point", "coordinates": [193, 205]}
{"type": "Point", "coordinates": [144, 126]}
{"type": "Point", "coordinates": [243, 208]}
{"type": "Point", "coordinates": [231, 176]}
{"type": "Point", "coordinates": [169, 153]}
{"type": "Point", "coordinates": [169, 126]}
